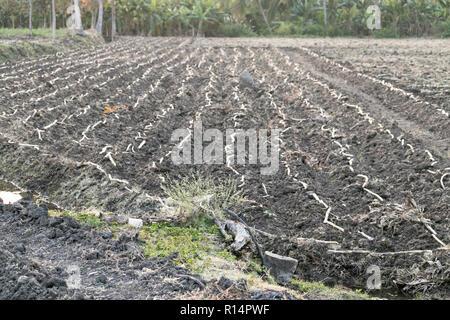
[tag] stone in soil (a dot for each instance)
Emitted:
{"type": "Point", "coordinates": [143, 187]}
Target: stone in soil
{"type": "Point", "coordinates": [281, 267]}
{"type": "Point", "coordinates": [246, 79]}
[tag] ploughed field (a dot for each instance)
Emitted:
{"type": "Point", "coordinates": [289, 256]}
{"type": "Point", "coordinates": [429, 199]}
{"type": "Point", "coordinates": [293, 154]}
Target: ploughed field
{"type": "Point", "coordinates": [364, 168]}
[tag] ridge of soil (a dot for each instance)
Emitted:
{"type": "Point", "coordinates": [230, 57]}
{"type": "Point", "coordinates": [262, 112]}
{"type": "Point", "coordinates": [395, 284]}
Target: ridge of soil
{"type": "Point", "coordinates": [376, 159]}
{"type": "Point", "coordinates": [16, 48]}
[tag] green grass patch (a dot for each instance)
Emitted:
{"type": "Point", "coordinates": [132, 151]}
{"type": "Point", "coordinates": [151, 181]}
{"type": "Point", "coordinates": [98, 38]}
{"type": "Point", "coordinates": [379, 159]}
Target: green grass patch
{"type": "Point", "coordinates": [197, 246]}
{"type": "Point", "coordinates": [43, 33]}
{"type": "Point", "coordinates": [318, 288]}
{"type": "Point", "coordinates": [89, 219]}
{"type": "Point", "coordinates": [193, 203]}
{"type": "Point", "coordinates": [6, 52]}
{"type": "Point", "coordinates": [193, 244]}
{"type": "Point", "coordinates": [84, 217]}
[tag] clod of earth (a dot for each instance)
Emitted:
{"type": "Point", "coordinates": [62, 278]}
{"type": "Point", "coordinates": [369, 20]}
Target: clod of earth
{"type": "Point", "coordinates": [282, 268]}
{"type": "Point", "coordinates": [39, 268]}
{"type": "Point", "coordinates": [246, 79]}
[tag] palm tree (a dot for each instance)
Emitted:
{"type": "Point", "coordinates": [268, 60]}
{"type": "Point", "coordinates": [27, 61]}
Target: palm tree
{"type": "Point", "coordinates": [263, 15]}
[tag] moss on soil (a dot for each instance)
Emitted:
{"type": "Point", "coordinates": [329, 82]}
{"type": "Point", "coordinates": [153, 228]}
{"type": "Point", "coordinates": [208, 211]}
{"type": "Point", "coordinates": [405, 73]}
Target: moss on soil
{"type": "Point", "coordinates": [320, 290]}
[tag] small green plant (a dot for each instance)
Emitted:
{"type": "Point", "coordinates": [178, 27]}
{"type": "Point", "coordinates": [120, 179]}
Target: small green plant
{"type": "Point", "coordinates": [286, 29]}
{"type": "Point", "coordinates": [44, 33]}
{"type": "Point", "coordinates": [197, 197]}
{"type": "Point", "coordinates": [385, 33]}
{"type": "Point", "coordinates": [313, 29]}
{"type": "Point", "coordinates": [268, 214]}
{"type": "Point", "coordinates": [309, 286]}
{"type": "Point", "coordinates": [445, 27]}
{"type": "Point", "coordinates": [84, 217]}
{"type": "Point", "coordinates": [232, 30]}
{"type": "Point", "coordinates": [89, 219]}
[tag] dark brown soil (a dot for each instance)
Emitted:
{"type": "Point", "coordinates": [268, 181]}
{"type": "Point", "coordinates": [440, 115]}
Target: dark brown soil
{"type": "Point", "coordinates": [38, 252]}
{"type": "Point", "coordinates": [338, 128]}
{"type": "Point", "coordinates": [44, 257]}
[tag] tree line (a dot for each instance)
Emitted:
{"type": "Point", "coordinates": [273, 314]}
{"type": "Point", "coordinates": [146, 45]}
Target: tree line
{"type": "Point", "coordinates": [233, 17]}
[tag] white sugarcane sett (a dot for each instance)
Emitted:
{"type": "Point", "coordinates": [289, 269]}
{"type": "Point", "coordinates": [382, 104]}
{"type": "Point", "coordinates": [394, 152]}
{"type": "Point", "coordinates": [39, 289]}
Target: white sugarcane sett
{"type": "Point", "coordinates": [67, 58]}
{"type": "Point", "coordinates": [96, 76]}
{"type": "Point", "coordinates": [105, 120]}
{"type": "Point", "coordinates": [442, 178]}
{"type": "Point", "coordinates": [349, 156]}
{"type": "Point", "coordinates": [389, 253]}
{"type": "Point", "coordinates": [19, 82]}
{"type": "Point", "coordinates": [370, 120]}
{"type": "Point", "coordinates": [200, 110]}
{"type": "Point", "coordinates": [109, 156]}
{"type": "Point", "coordinates": [325, 220]}
{"type": "Point", "coordinates": [366, 181]}
{"type": "Point", "coordinates": [39, 134]}
{"type": "Point", "coordinates": [360, 111]}
{"type": "Point", "coordinates": [110, 177]}
{"type": "Point", "coordinates": [387, 84]}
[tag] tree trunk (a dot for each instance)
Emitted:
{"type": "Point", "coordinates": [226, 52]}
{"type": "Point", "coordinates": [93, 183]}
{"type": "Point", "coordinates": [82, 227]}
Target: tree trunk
{"type": "Point", "coordinates": [78, 24]}
{"type": "Point", "coordinates": [93, 16]}
{"type": "Point", "coordinates": [264, 15]}
{"type": "Point", "coordinates": [53, 21]}
{"type": "Point", "coordinates": [100, 17]}
{"type": "Point", "coordinates": [199, 28]}
{"type": "Point", "coordinates": [113, 18]}
{"type": "Point", "coordinates": [30, 25]}
{"type": "Point", "coordinates": [325, 12]}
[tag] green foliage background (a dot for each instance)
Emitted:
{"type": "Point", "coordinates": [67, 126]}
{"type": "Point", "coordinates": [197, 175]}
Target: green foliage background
{"type": "Point", "coordinates": [244, 17]}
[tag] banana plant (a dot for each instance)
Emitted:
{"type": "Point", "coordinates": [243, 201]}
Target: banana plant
{"type": "Point", "coordinates": [304, 8]}
{"type": "Point", "coordinates": [203, 12]}
{"type": "Point", "coordinates": [184, 19]}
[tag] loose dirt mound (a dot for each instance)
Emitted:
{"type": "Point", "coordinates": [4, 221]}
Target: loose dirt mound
{"type": "Point", "coordinates": [42, 257]}
{"type": "Point", "coordinates": [22, 47]}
